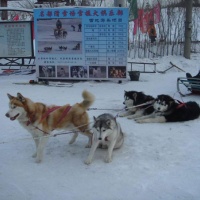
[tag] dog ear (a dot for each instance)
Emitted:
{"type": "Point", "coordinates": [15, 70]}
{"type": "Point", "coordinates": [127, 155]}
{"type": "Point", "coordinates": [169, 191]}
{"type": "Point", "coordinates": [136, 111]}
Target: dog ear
{"type": "Point", "coordinates": [108, 122]}
{"type": "Point", "coordinates": [10, 96]}
{"type": "Point", "coordinates": [20, 97]}
{"type": "Point", "coordinates": [95, 119]}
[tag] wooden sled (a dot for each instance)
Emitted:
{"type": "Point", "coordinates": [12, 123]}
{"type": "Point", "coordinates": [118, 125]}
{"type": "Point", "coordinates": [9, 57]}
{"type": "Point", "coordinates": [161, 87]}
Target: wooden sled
{"type": "Point", "coordinates": [172, 65]}
{"type": "Point", "coordinates": [188, 86]}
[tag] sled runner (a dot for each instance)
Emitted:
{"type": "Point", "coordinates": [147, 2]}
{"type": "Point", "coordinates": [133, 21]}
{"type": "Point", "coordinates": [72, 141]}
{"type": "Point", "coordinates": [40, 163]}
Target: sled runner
{"type": "Point", "coordinates": [46, 83]}
{"type": "Point", "coordinates": [17, 72]}
{"type": "Point", "coordinates": [191, 86]}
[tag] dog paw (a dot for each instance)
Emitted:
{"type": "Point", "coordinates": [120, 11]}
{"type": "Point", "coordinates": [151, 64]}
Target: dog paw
{"type": "Point", "coordinates": [38, 160]}
{"type": "Point", "coordinates": [71, 141]}
{"type": "Point", "coordinates": [108, 159]}
{"type": "Point", "coordinates": [88, 161]}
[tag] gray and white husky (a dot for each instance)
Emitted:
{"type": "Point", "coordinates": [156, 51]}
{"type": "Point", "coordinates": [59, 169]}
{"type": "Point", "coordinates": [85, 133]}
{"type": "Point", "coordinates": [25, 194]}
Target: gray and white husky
{"type": "Point", "coordinates": [106, 132]}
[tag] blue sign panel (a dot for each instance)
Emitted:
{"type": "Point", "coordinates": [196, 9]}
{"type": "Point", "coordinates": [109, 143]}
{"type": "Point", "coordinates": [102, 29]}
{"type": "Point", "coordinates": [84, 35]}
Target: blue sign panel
{"type": "Point", "coordinates": [81, 43]}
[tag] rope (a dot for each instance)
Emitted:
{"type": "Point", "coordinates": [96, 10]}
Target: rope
{"type": "Point", "coordinates": [143, 104]}
{"type": "Point", "coordinates": [147, 103]}
{"type": "Point", "coordinates": [47, 134]}
{"type": "Point", "coordinates": [178, 100]}
{"type": "Point", "coordinates": [104, 109]}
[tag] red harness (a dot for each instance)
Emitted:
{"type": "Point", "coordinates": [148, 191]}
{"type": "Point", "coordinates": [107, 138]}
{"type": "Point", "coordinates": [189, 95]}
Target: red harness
{"type": "Point", "coordinates": [180, 105]}
{"type": "Point", "coordinates": [50, 110]}
{"type": "Point", "coordinates": [64, 114]}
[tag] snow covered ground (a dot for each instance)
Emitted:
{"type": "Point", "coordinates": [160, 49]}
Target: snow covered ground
{"type": "Point", "coordinates": [156, 162]}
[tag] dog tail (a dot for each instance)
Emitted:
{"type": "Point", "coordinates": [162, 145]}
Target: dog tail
{"type": "Point", "coordinates": [88, 99]}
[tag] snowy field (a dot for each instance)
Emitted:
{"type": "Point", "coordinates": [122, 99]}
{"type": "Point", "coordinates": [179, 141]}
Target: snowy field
{"type": "Point", "coordinates": [156, 162]}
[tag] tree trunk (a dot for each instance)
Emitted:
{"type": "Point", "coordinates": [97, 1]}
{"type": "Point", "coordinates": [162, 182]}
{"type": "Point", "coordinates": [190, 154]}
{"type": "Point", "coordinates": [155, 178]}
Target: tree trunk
{"type": "Point", "coordinates": [188, 28]}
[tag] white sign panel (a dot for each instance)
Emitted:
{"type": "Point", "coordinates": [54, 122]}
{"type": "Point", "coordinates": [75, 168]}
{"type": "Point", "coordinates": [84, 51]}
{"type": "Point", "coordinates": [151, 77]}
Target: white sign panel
{"type": "Point", "coordinates": [15, 39]}
{"type": "Point", "coordinates": [81, 43]}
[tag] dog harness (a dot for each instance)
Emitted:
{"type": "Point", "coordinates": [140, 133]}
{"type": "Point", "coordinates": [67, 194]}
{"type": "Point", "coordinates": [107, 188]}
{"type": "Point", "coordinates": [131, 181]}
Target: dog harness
{"type": "Point", "coordinates": [49, 111]}
{"type": "Point", "coordinates": [64, 114]}
{"type": "Point", "coordinates": [181, 104]}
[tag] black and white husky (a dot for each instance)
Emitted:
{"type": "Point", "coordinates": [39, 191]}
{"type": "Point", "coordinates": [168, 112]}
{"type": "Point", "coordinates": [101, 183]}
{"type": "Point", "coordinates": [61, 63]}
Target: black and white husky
{"type": "Point", "coordinates": [169, 110]}
{"type": "Point", "coordinates": [107, 133]}
{"type": "Point", "coordinates": [137, 104]}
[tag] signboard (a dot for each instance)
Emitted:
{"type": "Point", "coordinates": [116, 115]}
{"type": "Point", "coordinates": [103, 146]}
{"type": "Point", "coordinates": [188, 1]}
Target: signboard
{"type": "Point", "coordinates": [81, 43]}
{"type": "Point", "coordinates": [16, 39]}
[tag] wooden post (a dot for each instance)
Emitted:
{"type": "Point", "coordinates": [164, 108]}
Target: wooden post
{"type": "Point", "coordinates": [188, 28]}
{"type": "Point", "coordinates": [4, 14]}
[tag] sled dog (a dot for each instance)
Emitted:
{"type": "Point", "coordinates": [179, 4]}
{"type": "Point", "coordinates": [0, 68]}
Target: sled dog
{"type": "Point", "coordinates": [40, 120]}
{"type": "Point", "coordinates": [169, 110]}
{"type": "Point", "coordinates": [107, 133]}
{"type": "Point", "coordinates": [132, 99]}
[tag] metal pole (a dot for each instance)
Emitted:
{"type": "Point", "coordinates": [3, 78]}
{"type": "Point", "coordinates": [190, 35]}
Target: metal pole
{"type": "Point", "coordinates": [188, 28]}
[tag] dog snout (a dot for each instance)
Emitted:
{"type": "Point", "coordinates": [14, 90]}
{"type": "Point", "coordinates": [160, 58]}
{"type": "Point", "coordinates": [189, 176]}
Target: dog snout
{"type": "Point", "coordinates": [7, 115]}
{"type": "Point", "coordinates": [158, 108]}
{"type": "Point", "coordinates": [100, 138]}
{"type": "Point", "coordinates": [123, 102]}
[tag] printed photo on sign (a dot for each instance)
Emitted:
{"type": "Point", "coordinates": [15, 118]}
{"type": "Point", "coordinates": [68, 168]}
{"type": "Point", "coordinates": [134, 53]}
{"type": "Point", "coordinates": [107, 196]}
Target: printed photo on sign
{"type": "Point", "coordinates": [117, 72]}
{"type": "Point", "coordinates": [59, 36]}
{"type": "Point", "coordinates": [47, 71]}
{"type": "Point", "coordinates": [97, 71]}
{"type": "Point", "coordinates": [79, 71]}
{"type": "Point", "coordinates": [63, 71]}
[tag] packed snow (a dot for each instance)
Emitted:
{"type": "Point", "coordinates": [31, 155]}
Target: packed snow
{"type": "Point", "coordinates": [156, 161]}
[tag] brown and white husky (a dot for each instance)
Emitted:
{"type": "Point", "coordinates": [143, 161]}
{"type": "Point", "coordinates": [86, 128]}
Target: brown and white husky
{"type": "Point", "coordinates": [40, 120]}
